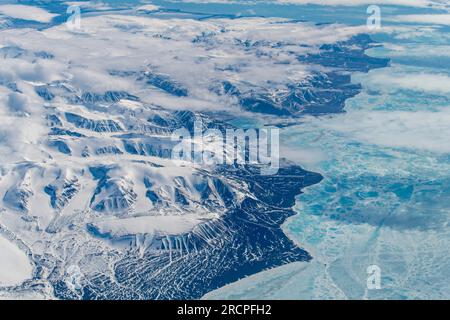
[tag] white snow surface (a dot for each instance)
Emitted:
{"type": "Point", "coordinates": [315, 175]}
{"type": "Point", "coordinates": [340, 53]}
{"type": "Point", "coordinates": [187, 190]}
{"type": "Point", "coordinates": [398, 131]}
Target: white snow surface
{"type": "Point", "coordinates": [14, 264]}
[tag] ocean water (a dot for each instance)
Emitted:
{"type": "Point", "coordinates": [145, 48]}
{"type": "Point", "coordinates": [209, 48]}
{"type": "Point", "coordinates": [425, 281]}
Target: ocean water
{"type": "Point", "coordinates": [385, 197]}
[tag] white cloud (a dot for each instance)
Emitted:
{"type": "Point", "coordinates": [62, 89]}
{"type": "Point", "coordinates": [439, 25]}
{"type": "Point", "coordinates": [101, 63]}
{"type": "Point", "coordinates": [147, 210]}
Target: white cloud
{"type": "Point", "coordinates": [417, 50]}
{"type": "Point", "coordinates": [440, 19]}
{"type": "Point", "coordinates": [148, 7]}
{"type": "Point", "coordinates": [421, 130]}
{"type": "Point", "coordinates": [91, 80]}
{"type": "Point", "coordinates": [24, 12]}
{"type": "Point", "coordinates": [426, 82]}
{"type": "Point", "coordinates": [85, 58]}
{"type": "Point", "coordinates": [97, 5]}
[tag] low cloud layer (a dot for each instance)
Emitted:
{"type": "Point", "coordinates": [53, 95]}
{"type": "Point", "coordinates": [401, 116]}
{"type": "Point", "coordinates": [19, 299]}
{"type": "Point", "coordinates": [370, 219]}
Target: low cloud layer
{"type": "Point", "coordinates": [24, 12]}
{"type": "Point", "coordinates": [422, 130]}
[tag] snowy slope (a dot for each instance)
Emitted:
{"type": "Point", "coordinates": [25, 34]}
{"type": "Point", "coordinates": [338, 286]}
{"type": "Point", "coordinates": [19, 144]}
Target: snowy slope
{"type": "Point", "coordinates": [15, 267]}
